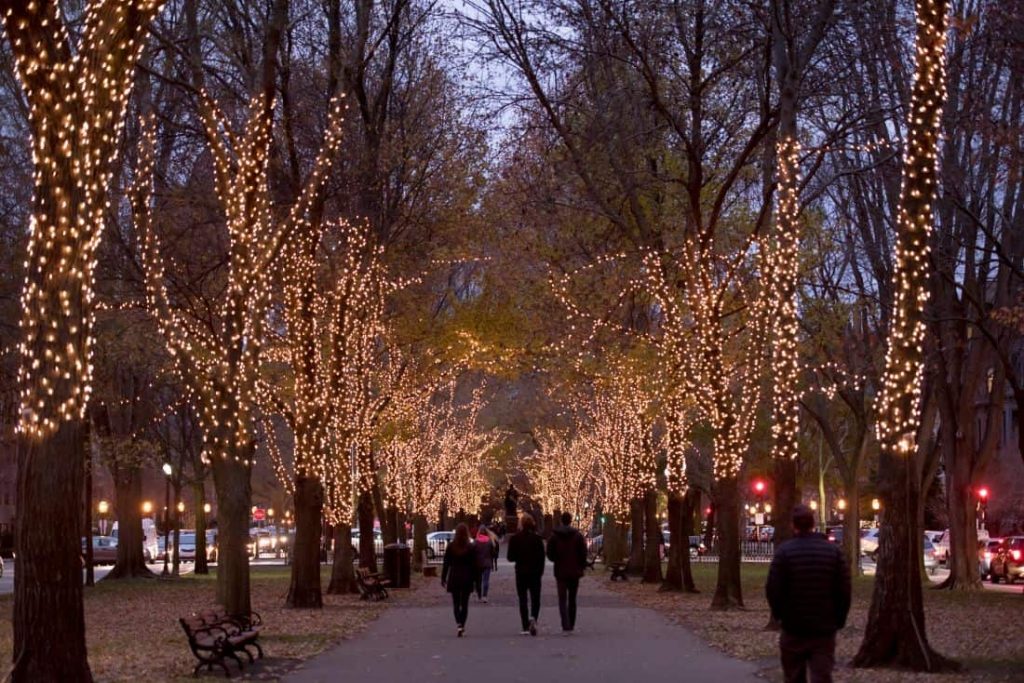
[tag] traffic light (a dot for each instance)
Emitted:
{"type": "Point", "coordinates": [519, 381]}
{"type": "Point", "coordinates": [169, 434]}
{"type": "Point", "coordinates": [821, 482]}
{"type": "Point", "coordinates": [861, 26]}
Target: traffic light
{"type": "Point", "coordinates": [983, 494]}
{"type": "Point", "coordinates": [759, 486]}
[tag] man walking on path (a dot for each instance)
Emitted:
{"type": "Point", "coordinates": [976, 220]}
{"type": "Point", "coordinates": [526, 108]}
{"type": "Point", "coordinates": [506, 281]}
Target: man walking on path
{"type": "Point", "coordinates": [526, 550]}
{"type": "Point", "coordinates": [568, 552]}
{"type": "Point", "coordinates": [808, 591]}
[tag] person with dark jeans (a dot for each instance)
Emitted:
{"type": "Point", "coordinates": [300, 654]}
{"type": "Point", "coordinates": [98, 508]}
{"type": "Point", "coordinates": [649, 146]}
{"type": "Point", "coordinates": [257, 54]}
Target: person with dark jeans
{"type": "Point", "coordinates": [568, 552]}
{"type": "Point", "coordinates": [483, 545]}
{"type": "Point", "coordinates": [526, 550]}
{"type": "Point", "coordinates": [808, 590]}
{"type": "Point", "coordinates": [458, 574]}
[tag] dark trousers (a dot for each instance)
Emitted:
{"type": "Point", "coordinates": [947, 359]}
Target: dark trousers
{"type": "Point", "coordinates": [460, 604]}
{"type": "Point", "coordinates": [567, 589]}
{"type": "Point", "coordinates": [803, 654]}
{"type": "Point", "coordinates": [483, 582]}
{"type": "Point", "coordinates": [526, 583]}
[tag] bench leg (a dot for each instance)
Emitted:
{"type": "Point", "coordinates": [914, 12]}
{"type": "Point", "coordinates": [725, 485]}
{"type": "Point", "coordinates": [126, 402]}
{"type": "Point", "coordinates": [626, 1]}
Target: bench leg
{"type": "Point", "coordinates": [234, 655]}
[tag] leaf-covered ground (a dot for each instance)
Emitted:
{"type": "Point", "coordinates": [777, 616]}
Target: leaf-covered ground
{"type": "Point", "coordinates": [980, 630]}
{"type": "Point", "coordinates": [133, 634]}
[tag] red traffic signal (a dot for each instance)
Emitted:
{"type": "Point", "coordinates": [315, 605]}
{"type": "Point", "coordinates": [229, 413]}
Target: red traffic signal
{"type": "Point", "coordinates": [983, 493]}
{"type": "Point", "coordinates": [759, 486]}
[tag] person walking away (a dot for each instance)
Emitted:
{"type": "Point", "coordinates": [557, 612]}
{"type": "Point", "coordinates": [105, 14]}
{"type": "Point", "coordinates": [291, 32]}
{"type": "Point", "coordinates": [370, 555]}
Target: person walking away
{"type": "Point", "coordinates": [495, 549]}
{"type": "Point", "coordinates": [458, 573]}
{"type": "Point", "coordinates": [482, 549]}
{"type": "Point", "coordinates": [526, 551]}
{"type": "Point", "coordinates": [567, 550]}
{"type": "Point", "coordinates": [808, 590]}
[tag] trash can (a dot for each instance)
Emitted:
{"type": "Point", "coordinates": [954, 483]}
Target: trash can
{"type": "Point", "coordinates": [397, 564]}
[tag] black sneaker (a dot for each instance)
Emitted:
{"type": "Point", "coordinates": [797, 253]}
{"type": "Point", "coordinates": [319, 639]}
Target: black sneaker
{"type": "Point", "coordinates": [533, 627]}
{"type": "Point", "coordinates": [462, 629]}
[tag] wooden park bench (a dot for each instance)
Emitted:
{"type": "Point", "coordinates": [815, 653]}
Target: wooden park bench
{"type": "Point", "coordinates": [214, 637]}
{"type": "Point", "coordinates": [372, 586]}
{"type": "Point", "coordinates": [618, 570]}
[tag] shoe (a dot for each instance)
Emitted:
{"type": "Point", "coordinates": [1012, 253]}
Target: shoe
{"type": "Point", "coordinates": [462, 629]}
{"type": "Point", "coordinates": [533, 627]}
{"type": "Point", "coordinates": [524, 633]}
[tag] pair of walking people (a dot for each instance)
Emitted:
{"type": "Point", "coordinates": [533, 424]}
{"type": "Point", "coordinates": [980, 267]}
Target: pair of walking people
{"type": "Point", "coordinates": [567, 551]}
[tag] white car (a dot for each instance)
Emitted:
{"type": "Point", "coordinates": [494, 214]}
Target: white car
{"type": "Point", "coordinates": [437, 541]}
{"type": "Point", "coordinates": [869, 542]}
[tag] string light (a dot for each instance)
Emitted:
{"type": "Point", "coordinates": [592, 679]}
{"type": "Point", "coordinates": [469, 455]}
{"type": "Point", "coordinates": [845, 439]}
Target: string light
{"type": "Point", "coordinates": [782, 265]}
{"type": "Point", "coordinates": [899, 403]}
{"type": "Point", "coordinates": [221, 366]}
{"type": "Point", "coordinates": [77, 96]}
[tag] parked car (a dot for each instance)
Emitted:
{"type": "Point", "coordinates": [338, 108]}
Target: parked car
{"type": "Point", "coordinates": [186, 545]}
{"type": "Point", "coordinates": [104, 550]}
{"type": "Point", "coordinates": [437, 541]}
{"type": "Point", "coordinates": [151, 550]}
{"type": "Point", "coordinates": [1008, 561]}
{"type": "Point", "coordinates": [834, 534]}
{"type": "Point", "coordinates": [869, 542]}
{"type": "Point", "coordinates": [942, 544]}
{"type": "Point", "coordinates": [378, 542]}
{"type": "Point", "coordinates": [931, 563]}
{"type": "Point", "coordinates": [986, 551]}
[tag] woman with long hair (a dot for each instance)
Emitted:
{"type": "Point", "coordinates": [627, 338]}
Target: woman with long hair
{"type": "Point", "coordinates": [458, 574]}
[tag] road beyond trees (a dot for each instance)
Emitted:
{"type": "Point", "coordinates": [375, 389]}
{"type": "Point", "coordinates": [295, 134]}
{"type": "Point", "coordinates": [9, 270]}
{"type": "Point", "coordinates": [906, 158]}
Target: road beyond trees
{"type": "Point", "coordinates": [614, 641]}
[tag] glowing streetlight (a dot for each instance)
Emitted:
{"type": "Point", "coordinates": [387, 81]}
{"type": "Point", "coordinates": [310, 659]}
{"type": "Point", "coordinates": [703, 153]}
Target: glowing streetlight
{"type": "Point", "coordinates": [147, 507]}
{"type": "Point", "coordinates": [814, 505]}
{"type": "Point", "coordinates": [181, 506]}
{"type": "Point", "coordinates": [841, 504]}
{"type": "Point", "coordinates": [876, 504]}
{"type": "Point", "coordinates": [103, 507]}
{"type": "Point", "coordinates": [168, 470]}
{"type": "Point", "coordinates": [206, 508]}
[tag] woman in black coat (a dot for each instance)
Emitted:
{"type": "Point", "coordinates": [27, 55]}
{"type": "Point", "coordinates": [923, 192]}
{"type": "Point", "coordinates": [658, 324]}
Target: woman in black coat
{"type": "Point", "coordinates": [459, 574]}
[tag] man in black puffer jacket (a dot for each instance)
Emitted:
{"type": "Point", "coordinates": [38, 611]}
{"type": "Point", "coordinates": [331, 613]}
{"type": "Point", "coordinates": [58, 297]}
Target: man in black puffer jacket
{"type": "Point", "coordinates": [809, 593]}
{"type": "Point", "coordinates": [526, 550]}
{"type": "Point", "coordinates": [568, 552]}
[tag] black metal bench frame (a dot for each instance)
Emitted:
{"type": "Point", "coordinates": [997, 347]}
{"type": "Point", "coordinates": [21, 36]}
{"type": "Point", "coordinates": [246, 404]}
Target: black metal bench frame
{"type": "Point", "coordinates": [618, 570]}
{"type": "Point", "coordinates": [371, 586]}
{"type": "Point", "coordinates": [229, 637]}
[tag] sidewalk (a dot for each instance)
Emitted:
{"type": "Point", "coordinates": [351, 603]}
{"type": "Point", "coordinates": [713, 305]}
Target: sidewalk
{"type": "Point", "coordinates": [615, 642]}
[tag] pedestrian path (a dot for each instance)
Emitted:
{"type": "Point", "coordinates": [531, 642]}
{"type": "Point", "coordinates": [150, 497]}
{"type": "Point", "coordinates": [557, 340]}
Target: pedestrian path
{"type": "Point", "coordinates": [615, 642]}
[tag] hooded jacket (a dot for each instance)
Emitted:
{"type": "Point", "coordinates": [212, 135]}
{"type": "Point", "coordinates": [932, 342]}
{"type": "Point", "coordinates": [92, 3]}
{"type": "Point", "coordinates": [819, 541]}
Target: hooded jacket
{"type": "Point", "coordinates": [567, 550]}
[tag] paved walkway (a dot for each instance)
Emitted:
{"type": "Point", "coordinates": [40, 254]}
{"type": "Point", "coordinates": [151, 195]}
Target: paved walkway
{"type": "Point", "coordinates": [615, 642]}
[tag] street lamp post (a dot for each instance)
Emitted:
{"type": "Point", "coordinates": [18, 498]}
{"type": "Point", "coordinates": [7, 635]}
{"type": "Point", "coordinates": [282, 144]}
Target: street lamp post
{"type": "Point", "coordinates": [167, 513]}
{"type": "Point", "coordinates": [103, 507]}
{"type": "Point", "coordinates": [876, 506]}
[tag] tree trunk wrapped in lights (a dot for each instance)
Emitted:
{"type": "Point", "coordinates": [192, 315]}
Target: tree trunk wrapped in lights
{"type": "Point", "coordinates": [719, 364]}
{"type": "Point", "coordinates": [563, 475]}
{"type": "Point", "coordinates": [220, 363]}
{"type": "Point", "coordinates": [678, 574]}
{"type": "Point", "coordinates": [790, 58]}
{"type": "Point", "coordinates": [895, 633]}
{"type": "Point", "coordinates": [76, 96]}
